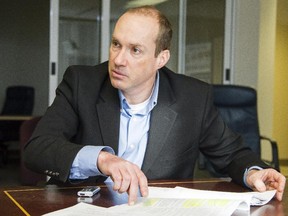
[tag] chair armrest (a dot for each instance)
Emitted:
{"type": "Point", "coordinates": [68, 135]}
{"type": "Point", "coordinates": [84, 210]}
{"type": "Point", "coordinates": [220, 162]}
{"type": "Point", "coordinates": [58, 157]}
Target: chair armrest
{"type": "Point", "coordinates": [274, 147]}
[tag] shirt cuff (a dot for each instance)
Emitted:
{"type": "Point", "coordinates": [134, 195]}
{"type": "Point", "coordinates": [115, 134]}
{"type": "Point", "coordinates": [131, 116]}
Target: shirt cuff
{"type": "Point", "coordinates": [246, 172]}
{"type": "Point", "coordinates": [85, 162]}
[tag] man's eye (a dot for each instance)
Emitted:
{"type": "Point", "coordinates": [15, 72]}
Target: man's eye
{"type": "Point", "coordinates": [136, 50]}
{"type": "Point", "coordinates": [115, 44]}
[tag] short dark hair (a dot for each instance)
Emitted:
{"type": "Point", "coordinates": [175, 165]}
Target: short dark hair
{"type": "Point", "coordinates": [163, 40]}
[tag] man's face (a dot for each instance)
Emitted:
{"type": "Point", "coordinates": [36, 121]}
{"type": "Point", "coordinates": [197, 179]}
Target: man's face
{"type": "Point", "coordinates": [132, 61]}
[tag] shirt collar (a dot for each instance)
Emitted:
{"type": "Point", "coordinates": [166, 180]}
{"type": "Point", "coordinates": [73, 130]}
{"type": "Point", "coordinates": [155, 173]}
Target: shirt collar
{"type": "Point", "coordinates": [124, 106]}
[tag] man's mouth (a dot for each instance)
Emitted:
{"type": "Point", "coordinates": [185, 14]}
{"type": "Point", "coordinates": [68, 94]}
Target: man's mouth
{"type": "Point", "coordinates": [117, 74]}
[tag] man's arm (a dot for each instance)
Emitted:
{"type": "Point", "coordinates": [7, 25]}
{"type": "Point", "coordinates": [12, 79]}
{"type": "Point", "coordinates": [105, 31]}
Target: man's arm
{"type": "Point", "coordinates": [66, 127]}
{"type": "Point", "coordinates": [241, 157]}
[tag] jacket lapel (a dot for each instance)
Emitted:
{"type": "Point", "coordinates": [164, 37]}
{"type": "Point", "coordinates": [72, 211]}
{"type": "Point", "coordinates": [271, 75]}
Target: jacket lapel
{"type": "Point", "coordinates": [161, 123]}
{"type": "Point", "coordinates": [108, 110]}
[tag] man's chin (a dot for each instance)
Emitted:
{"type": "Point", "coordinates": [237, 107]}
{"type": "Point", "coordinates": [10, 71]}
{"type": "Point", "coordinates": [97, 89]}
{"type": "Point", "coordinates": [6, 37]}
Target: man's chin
{"type": "Point", "coordinates": [117, 84]}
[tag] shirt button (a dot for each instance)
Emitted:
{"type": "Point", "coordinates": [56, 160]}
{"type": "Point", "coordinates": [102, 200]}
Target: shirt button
{"type": "Point", "coordinates": [132, 146]}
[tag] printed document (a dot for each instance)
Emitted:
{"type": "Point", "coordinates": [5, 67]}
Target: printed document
{"type": "Point", "coordinates": [177, 201]}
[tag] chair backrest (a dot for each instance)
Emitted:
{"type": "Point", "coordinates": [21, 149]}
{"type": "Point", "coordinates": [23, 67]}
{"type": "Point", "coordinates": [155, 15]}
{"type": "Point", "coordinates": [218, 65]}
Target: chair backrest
{"type": "Point", "coordinates": [19, 101]}
{"type": "Point", "coordinates": [238, 107]}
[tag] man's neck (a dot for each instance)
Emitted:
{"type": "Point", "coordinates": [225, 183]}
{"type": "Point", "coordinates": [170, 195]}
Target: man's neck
{"type": "Point", "coordinates": [138, 97]}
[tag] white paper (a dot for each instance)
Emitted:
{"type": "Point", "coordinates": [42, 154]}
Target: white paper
{"type": "Point", "coordinates": [248, 198]}
{"type": "Point", "coordinates": [80, 209]}
{"type": "Point", "coordinates": [177, 201]}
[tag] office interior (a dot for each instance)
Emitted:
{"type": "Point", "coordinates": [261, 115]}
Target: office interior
{"type": "Point", "coordinates": [257, 56]}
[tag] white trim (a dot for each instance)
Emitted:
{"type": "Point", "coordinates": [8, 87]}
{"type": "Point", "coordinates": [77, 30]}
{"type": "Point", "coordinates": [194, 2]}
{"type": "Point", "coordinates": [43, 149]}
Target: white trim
{"type": "Point", "coordinates": [105, 30]}
{"type": "Point", "coordinates": [182, 36]}
{"type": "Point", "coordinates": [53, 52]}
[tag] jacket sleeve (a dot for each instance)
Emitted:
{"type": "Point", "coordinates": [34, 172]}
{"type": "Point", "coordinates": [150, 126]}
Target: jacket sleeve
{"type": "Point", "coordinates": [49, 150]}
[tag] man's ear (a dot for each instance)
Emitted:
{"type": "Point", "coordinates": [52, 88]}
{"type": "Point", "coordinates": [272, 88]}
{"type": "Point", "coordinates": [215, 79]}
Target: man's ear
{"type": "Point", "coordinates": [163, 58]}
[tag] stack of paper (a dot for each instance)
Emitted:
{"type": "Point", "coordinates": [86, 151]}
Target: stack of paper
{"type": "Point", "coordinates": [178, 201]}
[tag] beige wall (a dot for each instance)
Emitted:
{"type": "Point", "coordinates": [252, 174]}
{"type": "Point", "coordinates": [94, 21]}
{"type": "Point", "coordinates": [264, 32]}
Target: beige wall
{"type": "Point", "coordinates": [280, 117]}
{"type": "Point", "coordinates": [246, 47]}
{"type": "Point", "coordinates": [266, 69]}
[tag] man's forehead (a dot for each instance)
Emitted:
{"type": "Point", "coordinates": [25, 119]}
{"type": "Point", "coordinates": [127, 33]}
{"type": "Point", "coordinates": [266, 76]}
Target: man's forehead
{"type": "Point", "coordinates": [143, 18]}
{"type": "Point", "coordinates": [135, 27]}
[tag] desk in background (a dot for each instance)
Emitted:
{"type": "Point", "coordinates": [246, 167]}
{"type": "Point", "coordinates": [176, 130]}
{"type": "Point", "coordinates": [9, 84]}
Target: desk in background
{"type": "Point", "coordinates": [14, 118]}
{"type": "Point", "coordinates": [9, 132]}
{"type": "Point", "coordinates": [38, 201]}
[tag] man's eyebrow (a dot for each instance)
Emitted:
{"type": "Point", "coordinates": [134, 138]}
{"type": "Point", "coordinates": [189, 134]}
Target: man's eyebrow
{"type": "Point", "coordinates": [136, 44]}
{"type": "Point", "coordinates": [114, 39]}
{"type": "Point", "coordinates": [130, 44]}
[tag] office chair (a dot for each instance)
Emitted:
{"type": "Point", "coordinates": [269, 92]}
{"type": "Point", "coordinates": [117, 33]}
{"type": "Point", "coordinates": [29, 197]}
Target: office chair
{"type": "Point", "coordinates": [238, 107]}
{"type": "Point", "coordinates": [19, 100]}
{"type": "Point", "coordinates": [27, 176]}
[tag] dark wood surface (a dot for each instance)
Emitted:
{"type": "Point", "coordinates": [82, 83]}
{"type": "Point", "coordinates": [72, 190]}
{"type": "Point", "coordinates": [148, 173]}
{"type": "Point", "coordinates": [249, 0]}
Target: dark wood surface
{"type": "Point", "coordinates": [38, 201]}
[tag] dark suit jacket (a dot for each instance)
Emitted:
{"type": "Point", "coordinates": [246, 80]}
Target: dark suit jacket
{"type": "Point", "coordinates": [86, 111]}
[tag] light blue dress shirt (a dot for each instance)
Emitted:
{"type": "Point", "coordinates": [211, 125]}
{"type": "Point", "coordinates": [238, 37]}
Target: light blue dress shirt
{"type": "Point", "coordinates": [133, 137]}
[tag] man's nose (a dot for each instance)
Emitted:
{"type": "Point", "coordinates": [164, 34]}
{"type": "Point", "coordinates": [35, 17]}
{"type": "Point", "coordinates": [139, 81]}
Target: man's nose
{"type": "Point", "coordinates": [121, 57]}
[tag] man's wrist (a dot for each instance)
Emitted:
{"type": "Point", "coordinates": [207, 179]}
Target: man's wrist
{"type": "Point", "coordinates": [85, 163]}
{"type": "Point", "coordinates": [246, 174]}
{"type": "Point", "coordinates": [102, 158]}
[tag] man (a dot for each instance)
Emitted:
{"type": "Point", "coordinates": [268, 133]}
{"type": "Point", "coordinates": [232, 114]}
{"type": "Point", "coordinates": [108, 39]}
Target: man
{"type": "Point", "coordinates": [133, 119]}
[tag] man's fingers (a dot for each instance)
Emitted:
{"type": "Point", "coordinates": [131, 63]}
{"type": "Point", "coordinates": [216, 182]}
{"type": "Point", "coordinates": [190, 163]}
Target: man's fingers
{"type": "Point", "coordinates": [279, 185]}
{"type": "Point", "coordinates": [126, 181]}
{"type": "Point", "coordinates": [138, 180]}
{"type": "Point", "coordinates": [133, 191]}
{"type": "Point", "coordinates": [280, 180]}
{"type": "Point", "coordinates": [117, 179]}
{"type": "Point", "coordinates": [121, 179]}
{"type": "Point", "coordinates": [143, 184]}
{"type": "Point", "coordinates": [279, 195]}
{"type": "Point", "coordinates": [259, 185]}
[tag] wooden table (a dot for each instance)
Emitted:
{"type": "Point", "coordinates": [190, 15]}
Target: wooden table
{"type": "Point", "coordinates": [37, 201]}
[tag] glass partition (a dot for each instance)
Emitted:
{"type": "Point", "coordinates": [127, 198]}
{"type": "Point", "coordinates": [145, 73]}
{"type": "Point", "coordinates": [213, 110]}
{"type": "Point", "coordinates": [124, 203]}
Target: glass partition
{"type": "Point", "coordinates": [79, 33]}
{"type": "Point", "coordinates": [205, 40]}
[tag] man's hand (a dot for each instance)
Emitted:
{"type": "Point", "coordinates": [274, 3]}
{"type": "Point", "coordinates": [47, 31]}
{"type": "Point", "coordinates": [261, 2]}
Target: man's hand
{"type": "Point", "coordinates": [267, 179]}
{"type": "Point", "coordinates": [127, 176]}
